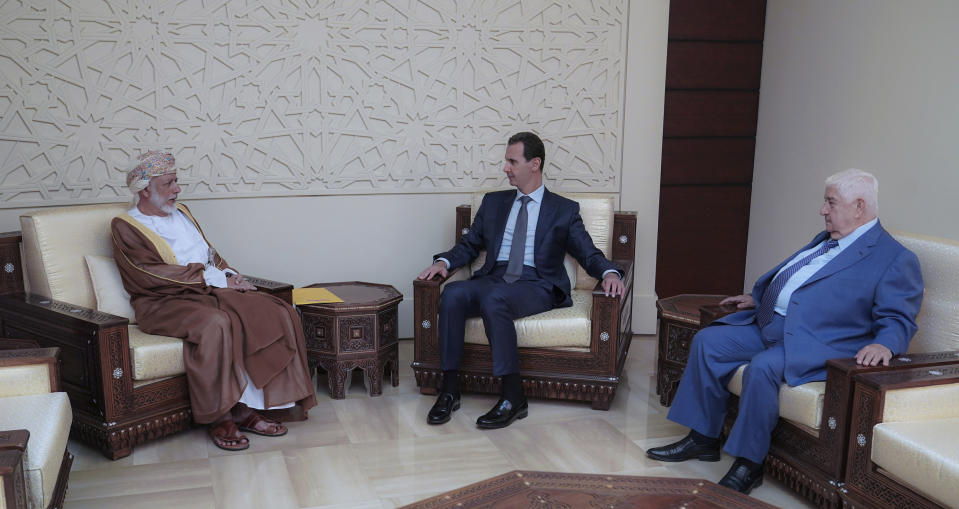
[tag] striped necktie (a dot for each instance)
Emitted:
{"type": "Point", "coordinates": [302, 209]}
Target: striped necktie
{"type": "Point", "coordinates": [764, 313]}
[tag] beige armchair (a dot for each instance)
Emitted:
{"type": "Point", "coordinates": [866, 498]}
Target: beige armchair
{"type": "Point", "coordinates": [809, 446]}
{"type": "Point", "coordinates": [575, 353]}
{"type": "Point", "coordinates": [125, 386]}
{"type": "Point", "coordinates": [34, 426]}
{"type": "Point", "coordinates": [903, 450]}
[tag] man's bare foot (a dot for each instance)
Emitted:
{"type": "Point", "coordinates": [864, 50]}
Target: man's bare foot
{"type": "Point", "coordinates": [226, 435]}
{"type": "Point", "coordinates": [257, 424]}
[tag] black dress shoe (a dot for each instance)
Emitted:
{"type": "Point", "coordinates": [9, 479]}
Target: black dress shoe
{"type": "Point", "coordinates": [685, 449]}
{"type": "Point", "coordinates": [742, 477]}
{"type": "Point", "coordinates": [443, 409]}
{"type": "Point", "coordinates": [503, 414]}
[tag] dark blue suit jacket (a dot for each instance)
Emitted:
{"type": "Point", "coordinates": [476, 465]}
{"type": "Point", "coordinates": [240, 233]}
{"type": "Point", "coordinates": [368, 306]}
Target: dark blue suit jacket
{"type": "Point", "coordinates": [869, 293]}
{"type": "Point", "coordinates": [559, 230]}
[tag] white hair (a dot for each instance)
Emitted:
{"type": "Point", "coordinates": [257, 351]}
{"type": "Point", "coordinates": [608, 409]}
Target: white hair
{"type": "Point", "coordinates": [854, 184]}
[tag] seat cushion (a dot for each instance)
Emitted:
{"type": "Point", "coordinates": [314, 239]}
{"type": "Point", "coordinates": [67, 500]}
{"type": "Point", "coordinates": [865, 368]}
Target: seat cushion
{"type": "Point", "coordinates": [154, 356]}
{"type": "Point", "coordinates": [923, 455]}
{"type": "Point", "coordinates": [560, 327]}
{"type": "Point", "coordinates": [801, 404]}
{"type": "Point", "coordinates": [48, 418]}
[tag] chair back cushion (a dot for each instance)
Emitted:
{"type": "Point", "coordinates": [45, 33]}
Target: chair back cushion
{"type": "Point", "coordinates": [938, 318]}
{"type": "Point", "coordinates": [108, 288]}
{"type": "Point", "coordinates": [597, 213]}
{"type": "Point", "coordinates": [55, 241]}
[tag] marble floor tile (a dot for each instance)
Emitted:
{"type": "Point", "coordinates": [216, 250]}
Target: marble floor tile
{"type": "Point", "coordinates": [253, 481]}
{"type": "Point", "coordinates": [87, 457]}
{"type": "Point", "coordinates": [328, 476]}
{"type": "Point", "coordinates": [196, 498]}
{"type": "Point", "coordinates": [184, 446]}
{"type": "Point", "coordinates": [418, 466]}
{"type": "Point", "coordinates": [138, 480]}
{"type": "Point", "coordinates": [587, 445]}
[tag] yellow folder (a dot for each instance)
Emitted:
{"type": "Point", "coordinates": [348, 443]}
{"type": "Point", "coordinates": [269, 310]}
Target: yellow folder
{"type": "Point", "coordinates": [314, 296]}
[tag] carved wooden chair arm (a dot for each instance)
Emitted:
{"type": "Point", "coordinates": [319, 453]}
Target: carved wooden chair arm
{"type": "Point", "coordinates": [282, 290]}
{"type": "Point", "coordinates": [78, 329]}
{"type": "Point", "coordinates": [46, 360]}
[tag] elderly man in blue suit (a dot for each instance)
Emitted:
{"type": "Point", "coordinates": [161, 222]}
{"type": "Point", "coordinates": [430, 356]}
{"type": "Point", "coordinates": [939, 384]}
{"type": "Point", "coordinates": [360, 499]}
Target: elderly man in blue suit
{"type": "Point", "coordinates": [853, 291]}
{"type": "Point", "coordinates": [526, 234]}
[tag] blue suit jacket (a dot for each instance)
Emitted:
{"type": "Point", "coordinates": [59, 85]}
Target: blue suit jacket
{"type": "Point", "coordinates": [559, 230]}
{"type": "Point", "coordinates": [869, 293]}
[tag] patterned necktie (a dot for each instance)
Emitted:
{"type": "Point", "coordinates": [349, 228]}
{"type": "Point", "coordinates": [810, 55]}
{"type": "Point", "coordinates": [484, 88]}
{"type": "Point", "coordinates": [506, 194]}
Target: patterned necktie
{"type": "Point", "coordinates": [517, 250]}
{"type": "Point", "coordinates": [764, 313]}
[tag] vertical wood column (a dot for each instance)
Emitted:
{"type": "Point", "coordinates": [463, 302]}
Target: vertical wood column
{"type": "Point", "coordinates": [713, 69]}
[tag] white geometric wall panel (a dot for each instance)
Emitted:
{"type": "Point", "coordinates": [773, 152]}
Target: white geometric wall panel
{"type": "Point", "coordinates": [280, 97]}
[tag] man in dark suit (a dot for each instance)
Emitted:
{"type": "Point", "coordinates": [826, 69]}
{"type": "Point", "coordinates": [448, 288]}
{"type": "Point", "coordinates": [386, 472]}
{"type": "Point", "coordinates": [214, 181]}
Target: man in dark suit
{"type": "Point", "coordinates": [526, 234]}
{"type": "Point", "coordinates": [854, 291]}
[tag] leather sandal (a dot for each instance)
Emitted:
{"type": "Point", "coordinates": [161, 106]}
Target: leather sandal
{"type": "Point", "coordinates": [259, 425]}
{"type": "Point", "coordinates": [224, 432]}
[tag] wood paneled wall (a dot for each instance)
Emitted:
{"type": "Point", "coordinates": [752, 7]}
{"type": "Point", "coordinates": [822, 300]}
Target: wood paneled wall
{"type": "Point", "coordinates": [713, 69]}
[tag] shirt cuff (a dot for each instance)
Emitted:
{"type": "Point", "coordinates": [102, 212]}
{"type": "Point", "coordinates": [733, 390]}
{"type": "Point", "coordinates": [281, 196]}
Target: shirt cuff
{"type": "Point", "coordinates": [620, 274]}
{"type": "Point", "coordinates": [447, 262]}
{"type": "Point", "coordinates": [216, 277]}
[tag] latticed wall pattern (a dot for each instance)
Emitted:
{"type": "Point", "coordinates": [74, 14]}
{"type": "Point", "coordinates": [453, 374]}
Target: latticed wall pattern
{"type": "Point", "coordinates": [299, 97]}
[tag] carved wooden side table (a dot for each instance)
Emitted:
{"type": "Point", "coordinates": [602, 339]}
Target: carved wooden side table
{"type": "Point", "coordinates": [679, 320]}
{"type": "Point", "coordinates": [359, 332]}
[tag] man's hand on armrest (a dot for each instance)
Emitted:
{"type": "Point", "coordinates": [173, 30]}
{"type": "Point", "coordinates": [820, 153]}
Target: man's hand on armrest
{"type": "Point", "coordinates": [613, 284]}
{"type": "Point", "coordinates": [873, 354]}
{"type": "Point", "coordinates": [438, 267]}
{"type": "Point", "coordinates": [741, 301]}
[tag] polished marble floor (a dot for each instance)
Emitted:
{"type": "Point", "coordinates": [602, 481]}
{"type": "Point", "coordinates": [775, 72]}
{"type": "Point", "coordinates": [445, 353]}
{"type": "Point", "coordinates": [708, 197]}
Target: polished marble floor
{"type": "Point", "coordinates": [364, 452]}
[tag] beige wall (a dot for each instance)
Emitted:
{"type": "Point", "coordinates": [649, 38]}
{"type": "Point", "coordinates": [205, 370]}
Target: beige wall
{"type": "Point", "coordinates": [389, 238]}
{"type": "Point", "coordinates": [871, 84]}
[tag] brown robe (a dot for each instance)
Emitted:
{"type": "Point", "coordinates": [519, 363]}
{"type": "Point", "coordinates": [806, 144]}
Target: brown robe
{"type": "Point", "coordinates": [224, 331]}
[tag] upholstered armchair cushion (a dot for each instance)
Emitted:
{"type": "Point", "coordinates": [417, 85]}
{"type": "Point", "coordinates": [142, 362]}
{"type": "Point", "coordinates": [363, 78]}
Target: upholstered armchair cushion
{"type": "Point", "coordinates": [108, 287]}
{"type": "Point", "coordinates": [916, 441]}
{"type": "Point", "coordinates": [938, 318]}
{"type": "Point", "coordinates": [54, 243]}
{"type": "Point", "coordinates": [923, 455]}
{"type": "Point", "coordinates": [48, 418]}
{"type": "Point", "coordinates": [562, 327]}
{"type": "Point", "coordinates": [155, 356]}
{"type": "Point", "coordinates": [24, 380]}
{"type": "Point", "coordinates": [801, 404]}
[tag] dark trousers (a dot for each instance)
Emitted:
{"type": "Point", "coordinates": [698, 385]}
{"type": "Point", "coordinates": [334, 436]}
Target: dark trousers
{"type": "Point", "coordinates": [498, 303]}
{"type": "Point", "coordinates": [714, 356]}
